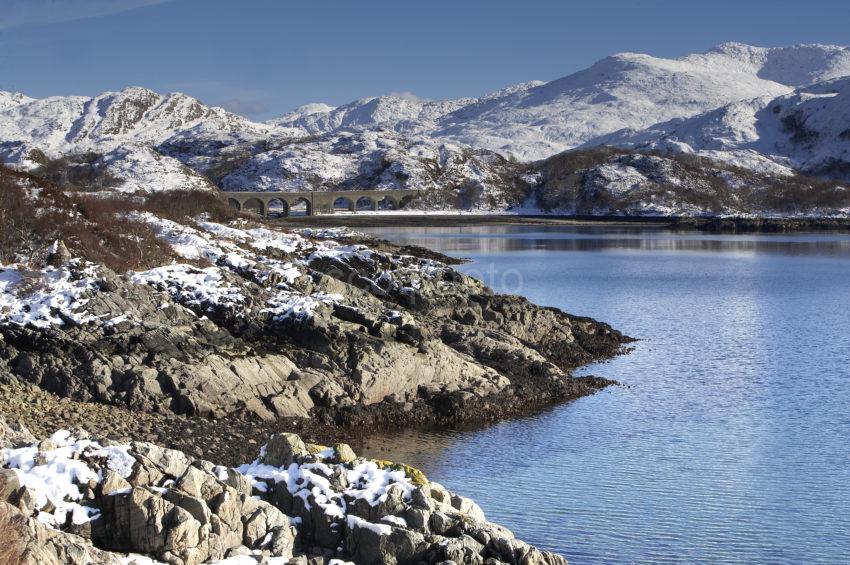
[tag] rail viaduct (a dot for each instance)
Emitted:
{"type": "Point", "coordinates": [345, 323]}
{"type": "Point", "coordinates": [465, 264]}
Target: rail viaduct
{"type": "Point", "coordinates": [320, 202]}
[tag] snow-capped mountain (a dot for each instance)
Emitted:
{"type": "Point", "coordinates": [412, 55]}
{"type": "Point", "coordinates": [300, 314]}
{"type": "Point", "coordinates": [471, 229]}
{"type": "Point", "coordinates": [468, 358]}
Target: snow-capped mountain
{"type": "Point", "coordinates": [629, 90]}
{"type": "Point", "coordinates": [10, 99]}
{"type": "Point", "coordinates": [61, 124]}
{"type": "Point", "coordinates": [807, 130]}
{"type": "Point", "coordinates": [774, 110]}
{"type": "Point", "coordinates": [124, 127]}
{"type": "Point", "coordinates": [400, 113]}
{"type": "Point", "coordinates": [147, 142]}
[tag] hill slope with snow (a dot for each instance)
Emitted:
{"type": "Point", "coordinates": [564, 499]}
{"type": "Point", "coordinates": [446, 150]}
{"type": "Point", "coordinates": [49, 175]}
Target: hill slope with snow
{"type": "Point", "coordinates": [123, 127]}
{"type": "Point", "coordinates": [807, 130]}
{"type": "Point", "coordinates": [772, 110]}
{"type": "Point", "coordinates": [629, 90]}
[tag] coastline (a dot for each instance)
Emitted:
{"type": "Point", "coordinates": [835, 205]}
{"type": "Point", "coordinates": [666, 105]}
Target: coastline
{"type": "Point", "coordinates": [75, 498]}
{"type": "Point", "coordinates": [155, 367]}
{"type": "Point", "coordinates": [729, 225]}
{"type": "Point", "coordinates": [329, 371]}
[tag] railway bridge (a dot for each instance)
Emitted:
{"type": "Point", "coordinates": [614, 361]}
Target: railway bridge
{"type": "Point", "coordinates": [320, 202]}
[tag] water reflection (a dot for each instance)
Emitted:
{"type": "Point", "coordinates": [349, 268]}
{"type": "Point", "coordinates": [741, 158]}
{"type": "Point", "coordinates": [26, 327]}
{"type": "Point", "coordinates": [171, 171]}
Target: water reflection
{"type": "Point", "coordinates": [729, 444]}
{"type": "Point", "coordinates": [495, 239]}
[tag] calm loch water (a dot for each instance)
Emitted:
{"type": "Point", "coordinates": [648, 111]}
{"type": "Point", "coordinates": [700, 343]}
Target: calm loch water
{"type": "Point", "coordinates": [730, 441]}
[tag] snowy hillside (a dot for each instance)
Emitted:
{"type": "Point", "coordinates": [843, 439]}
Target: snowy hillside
{"type": "Point", "coordinates": [772, 110]}
{"type": "Point", "coordinates": [10, 99]}
{"type": "Point", "coordinates": [454, 176]}
{"type": "Point", "coordinates": [798, 65]}
{"type": "Point", "coordinates": [400, 113]}
{"type": "Point", "coordinates": [807, 130]}
{"type": "Point", "coordinates": [64, 123]}
{"type": "Point", "coordinates": [144, 141]}
{"type": "Point", "coordinates": [629, 90]}
{"type": "Point", "coordinates": [123, 126]}
{"type": "Point", "coordinates": [610, 181]}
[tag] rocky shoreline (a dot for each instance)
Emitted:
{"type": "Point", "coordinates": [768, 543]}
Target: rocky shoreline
{"type": "Point", "coordinates": [335, 332]}
{"type": "Point", "coordinates": [74, 499]}
{"type": "Point", "coordinates": [252, 331]}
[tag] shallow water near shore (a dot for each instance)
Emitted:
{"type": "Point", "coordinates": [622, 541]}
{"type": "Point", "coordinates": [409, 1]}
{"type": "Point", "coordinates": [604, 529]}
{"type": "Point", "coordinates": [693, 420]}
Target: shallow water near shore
{"type": "Point", "coordinates": [730, 439]}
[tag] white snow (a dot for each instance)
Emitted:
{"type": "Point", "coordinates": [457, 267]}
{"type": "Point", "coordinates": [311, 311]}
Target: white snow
{"type": "Point", "coordinates": [288, 304]}
{"type": "Point", "coordinates": [394, 520]}
{"type": "Point", "coordinates": [366, 481]}
{"type": "Point", "coordinates": [118, 459]}
{"type": "Point", "coordinates": [192, 286]}
{"type": "Point", "coordinates": [39, 297]}
{"type": "Point", "coordinates": [370, 482]}
{"type": "Point", "coordinates": [806, 129]}
{"type": "Point", "coordinates": [58, 475]}
{"type": "Point", "coordinates": [627, 90]}
{"type": "Point", "coordinates": [358, 522]}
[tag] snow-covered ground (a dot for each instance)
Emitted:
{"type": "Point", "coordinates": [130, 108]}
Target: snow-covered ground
{"type": "Point", "coordinates": [216, 265]}
{"type": "Point", "coordinates": [807, 130]}
{"type": "Point", "coordinates": [56, 475]}
{"type": "Point", "coordinates": [47, 296]}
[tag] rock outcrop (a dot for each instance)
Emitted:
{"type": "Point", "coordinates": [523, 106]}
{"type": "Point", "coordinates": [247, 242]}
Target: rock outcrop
{"type": "Point", "coordinates": [75, 500]}
{"type": "Point", "coordinates": [282, 325]}
{"type": "Point", "coordinates": [269, 327]}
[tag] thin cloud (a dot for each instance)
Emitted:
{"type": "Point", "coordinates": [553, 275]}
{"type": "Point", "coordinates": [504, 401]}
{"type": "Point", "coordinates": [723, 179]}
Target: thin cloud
{"type": "Point", "coordinates": [244, 107]}
{"type": "Point", "coordinates": [16, 13]}
{"type": "Point", "coordinates": [407, 95]}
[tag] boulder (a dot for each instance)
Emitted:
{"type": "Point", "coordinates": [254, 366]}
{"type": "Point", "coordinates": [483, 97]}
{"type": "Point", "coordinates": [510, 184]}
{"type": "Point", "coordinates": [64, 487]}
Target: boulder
{"type": "Point", "coordinates": [439, 493]}
{"type": "Point", "coordinates": [9, 485]}
{"type": "Point", "coordinates": [40, 545]}
{"type": "Point", "coordinates": [417, 519]}
{"type": "Point", "coordinates": [14, 434]}
{"type": "Point", "coordinates": [168, 462]}
{"type": "Point", "coordinates": [261, 520]}
{"type": "Point", "coordinates": [515, 551]}
{"type": "Point", "coordinates": [370, 544]}
{"type": "Point", "coordinates": [58, 254]}
{"type": "Point", "coordinates": [442, 523]}
{"type": "Point", "coordinates": [468, 507]}
{"type": "Point", "coordinates": [283, 449]}
{"type": "Point", "coordinates": [327, 528]}
{"type": "Point", "coordinates": [199, 483]}
{"type": "Point", "coordinates": [343, 453]}
{"type": "Point", "coordinates": [135, 521]}
{"type": "Point", "coordinates": [112, 482]}
{"type": "Point", "coordinates": [464, 549]}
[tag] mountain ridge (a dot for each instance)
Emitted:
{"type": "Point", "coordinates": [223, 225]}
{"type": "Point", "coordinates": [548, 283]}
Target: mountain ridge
{"type": "Point", "coordinates": [535, 120]}
{"type": "Point", "coordinates": [807, 130]}
{"type": "Point", "coordinates": [477, 151]}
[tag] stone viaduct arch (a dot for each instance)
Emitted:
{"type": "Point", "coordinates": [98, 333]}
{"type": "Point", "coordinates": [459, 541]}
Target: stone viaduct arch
{"type": "Point", "coordinates": [320, 202]}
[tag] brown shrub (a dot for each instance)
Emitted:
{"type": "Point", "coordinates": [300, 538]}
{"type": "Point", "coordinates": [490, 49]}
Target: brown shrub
{"type": "Point", "coordinates": [178, 205]}
{"type": "Point", "coordinates": [109, 237]}
{"type": "Point", "coordinates": [11, 544]}
{"type": "Point", "coordinates": [94, 228]}
{"type": "Point", "coordinates": [13, 228]}
{"type": "Point", "coordinates": [77, 172]}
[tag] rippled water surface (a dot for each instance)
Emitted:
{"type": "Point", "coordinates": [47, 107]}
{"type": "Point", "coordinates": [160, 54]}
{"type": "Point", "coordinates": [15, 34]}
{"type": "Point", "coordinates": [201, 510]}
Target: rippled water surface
{"type": "Point", "coordinates": [730, 442]}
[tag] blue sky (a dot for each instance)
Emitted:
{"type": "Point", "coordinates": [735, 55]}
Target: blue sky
{"type": "Point", "coordinates": [262, 58]}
